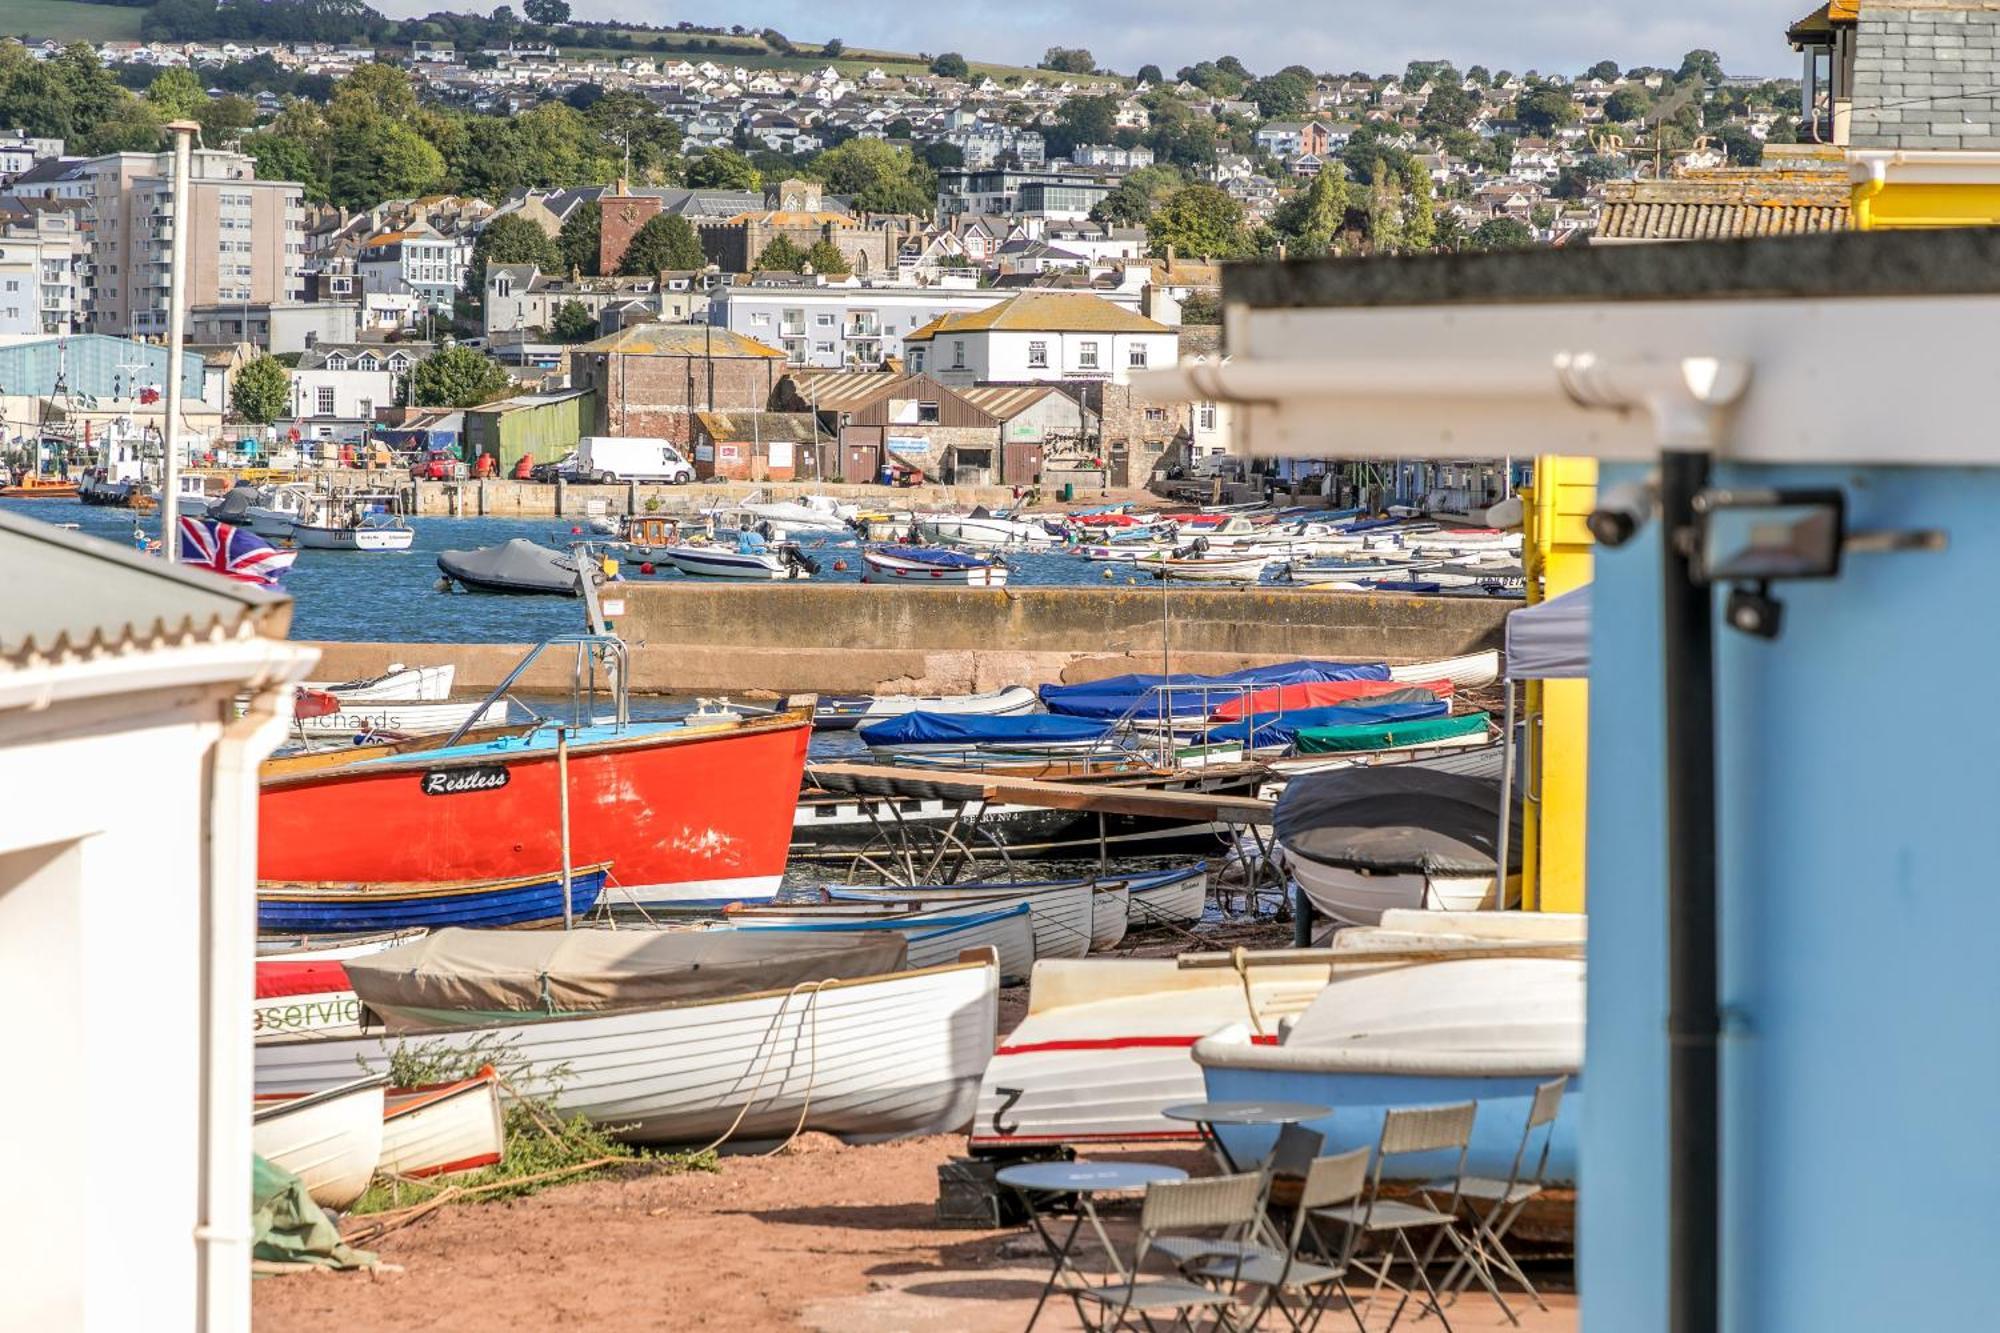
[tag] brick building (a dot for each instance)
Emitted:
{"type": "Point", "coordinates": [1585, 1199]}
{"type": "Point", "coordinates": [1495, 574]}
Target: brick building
{"type": "Point", "coordinates": [755, 446]}
{"type": "Point", "coordinates": [798, 211]}
{"type": "Point", "coordinates": [621, 215]}
{"type": "Point", "coordinates": [651, 379]}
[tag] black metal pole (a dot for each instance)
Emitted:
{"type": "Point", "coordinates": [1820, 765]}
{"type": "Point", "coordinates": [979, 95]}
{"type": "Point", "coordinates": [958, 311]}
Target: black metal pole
{"type": "Point", "coordinates": [1693, 1022]}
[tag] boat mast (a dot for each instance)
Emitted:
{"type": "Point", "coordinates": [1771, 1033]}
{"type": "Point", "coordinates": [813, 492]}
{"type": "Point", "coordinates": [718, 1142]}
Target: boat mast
{"type": "Point", "coordinates": [170, 474]}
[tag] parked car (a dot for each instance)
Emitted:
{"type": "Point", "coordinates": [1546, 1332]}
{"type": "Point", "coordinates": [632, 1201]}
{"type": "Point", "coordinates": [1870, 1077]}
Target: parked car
{"type": "Point", "coordinates": [439, 467]}
{"type": "Point", "coordinates": [563, 468]}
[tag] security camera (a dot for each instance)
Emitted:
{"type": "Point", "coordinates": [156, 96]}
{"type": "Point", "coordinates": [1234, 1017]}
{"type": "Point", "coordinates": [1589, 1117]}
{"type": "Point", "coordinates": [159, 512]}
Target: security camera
{"type": "Point", "coordinates": [1622, 510]}
{"type": "Point", "coordinates": [1752, 609]}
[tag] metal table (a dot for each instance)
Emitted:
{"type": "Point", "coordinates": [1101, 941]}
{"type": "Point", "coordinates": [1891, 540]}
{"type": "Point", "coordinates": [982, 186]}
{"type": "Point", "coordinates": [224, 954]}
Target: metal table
{"type": "Point", "coordinates": [1207, 1115]}
{"type": "Point", "coordinates": [1085, 1180]}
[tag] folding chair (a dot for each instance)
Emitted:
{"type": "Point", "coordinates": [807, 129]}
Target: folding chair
{"type": "Point", "coordinates": [1407, 1133]}
{"type": "Point", "coordinates": [1507, 1199]}
{"type": "Point", "coordinates": [1328, 1183]}
{"type": "Point", "coordinates": [1222, 1203]}
{"type": "Point", "coordinates": [1289, 1160]}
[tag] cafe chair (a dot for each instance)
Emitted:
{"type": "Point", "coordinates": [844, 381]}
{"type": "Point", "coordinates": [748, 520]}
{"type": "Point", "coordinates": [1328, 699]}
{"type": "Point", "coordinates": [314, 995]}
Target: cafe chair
{"type": "Point", "coordinates": [1226, 1205]}
{"type": "Point", "coordinates": [1505, 1199]}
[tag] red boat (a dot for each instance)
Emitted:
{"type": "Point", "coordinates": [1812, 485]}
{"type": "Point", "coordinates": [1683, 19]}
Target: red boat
{"type": "Point", "coordinates": [684, 813]}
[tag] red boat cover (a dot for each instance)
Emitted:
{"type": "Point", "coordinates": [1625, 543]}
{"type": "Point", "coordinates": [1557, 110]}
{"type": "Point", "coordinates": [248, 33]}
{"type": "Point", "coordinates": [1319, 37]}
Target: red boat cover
{"type": "Point", "coordinates": [316, 978]}
{"type": "Point", "coordinates": [314, 703]}
{"type": "Point", "coordinates": [1324, 694]}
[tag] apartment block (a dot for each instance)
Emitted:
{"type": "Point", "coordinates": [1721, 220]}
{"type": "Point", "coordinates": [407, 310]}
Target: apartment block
{"type": "Point", "coordinates": [41, 265]}
{"type": "Point", "coordinates": [246, 240]}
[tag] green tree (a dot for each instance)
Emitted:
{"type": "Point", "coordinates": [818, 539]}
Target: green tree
{"type": "Point", "coordinates": [781, 256]}
{"type": "Point", "coordinates": [667, 241]}
{"type": "Point", "coordinates": [1385, 217]}
{"type": "Point", "coordinates": [225, 118]}
{"type": "Point", "coordinates": [1501, 234]}
{"type": "Point", "coordinates": [1606, 70]}
{"type": "Point", "coordinates": [511, 239]}
{"type": "Point", "coordinates": [1420, 219]}
{"type": "Point", "coordinates": [1627, 105]}
{"type": "Point", "coordinates": [1127, 205]}
{"type": "Point", "coordinates": [573, 323]}
{"type": "Point", "coordinates": [1082, 120]}
{"type": "Point", "coordinates": [1068, 60]}
{"type": "Point", "coordinates": [548, 13]}
{"type": "Point", "coordinates": [879, 176]}
{"type": "Point", "coordinates": [1280, 96]}
{"type": "Point", "coordinates": [626, 121]}
{"type": "Point", "coordinates": [1480, 75]}
{"type": "Point", "coordinates": [281, 159]}
{"type": "Point", "coordinates": [456, 377]}
{"type": "Point", "coordinates": [1151, 74]}
{"type": "Point", "coordinates": [580, 238]}
{"type": "Point", "coordinates": [1311, 219]}
{"type": "Point", "coordinates": [723, 169]}
{"type": "Point", "coordinates": [950, 65]}
{"type": "Point", "coordinates": [825, 257]}
{"type": "Point", "coordinates": [1449, 107]}
{"type": "Point", "coordinates": [1744, 148]}
{"type": "Point", "coordinates": [1201, 307]}
{"type": "Point", "coordinates": [1200, 221]}
{"type": "Point", "coordinates": [1702, 65]}
{"type": "Point", "coordinates": [262, 392]}
{"type": "Point", "coordinates": [176, 94]}
{"type": "Point", "coordinates": [1540, 112]}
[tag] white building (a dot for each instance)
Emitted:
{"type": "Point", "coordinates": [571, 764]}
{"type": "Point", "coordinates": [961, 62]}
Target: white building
{"type": "Point", "coordinates": [1111, 156]}
{"type": "Point", "coordinates": [20, 151]}
{"type": "Point", "coordinates": [41, 274]}
{"type": "Point", "coordinates": [1043, 336]}
{"type": "Point", "coordinates": [127, 924]}
{"type": "Point", "coordinates": [415, 261]}
{"type": "Point", "coordinates": [336, 388]}
{"type": "Point", "coordinates": [836, 327]}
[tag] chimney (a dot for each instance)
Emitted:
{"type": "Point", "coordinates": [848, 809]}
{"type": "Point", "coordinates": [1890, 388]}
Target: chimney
{"type": "Point", "coordinates": [1170, 256]}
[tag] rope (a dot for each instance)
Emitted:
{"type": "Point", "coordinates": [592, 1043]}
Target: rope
{"type": "Point", "coordinates": [812, 1071]}
{"type": "Point", "coordinates": [1239, 958]}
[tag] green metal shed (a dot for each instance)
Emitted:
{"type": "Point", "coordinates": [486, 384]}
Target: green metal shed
{"type": "Point", "coordinates": [543, 426]}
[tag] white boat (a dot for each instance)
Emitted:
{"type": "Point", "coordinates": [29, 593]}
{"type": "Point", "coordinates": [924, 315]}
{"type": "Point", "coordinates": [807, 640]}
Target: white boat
{"type": "Point", "coordinates": [1172, 897]}
{"type": "Point", "coordinates": [1122, 555]}
{"type": "Point", "coordinates": [1110, 915]}
{"type": "Point", "coordinates": [935, 936]}
{"type": "Point", "coordinates": [1471, 669]}
{"type": "Point", "coordinates": [1360, 898]}
{"type": "Point", "coordinates": [870, 1057]}
{"type": "Point", "coordinates": [421, 684]}
{"type": "Point", "coordinates": [280, 509]}
{"type": "Point", "coordinates": [404, 717]}
{"type": "Point", "coordinates": [440, 1130]}
{"type": "Point", "coordinates": [940, 568]}
{"type": "Point", "coordinates": [1206, 569]}
{"type": "Point", "coordinates": [838, 712]}
{"type": "Point", "coordinates": [301, 987]}
{"type": "Point", "coordinates": [368, 532]}
{"type": "Point", "coordinates": [721, 562]}
{"type": "Point", "coordinates": [979, 529]}
{"type": "Point", "coordinates": [812, 513]}
{"type": "Point", "coordinates": [1063, 912]}
{"type": "Point", "coordinates": [1108, 1044]}
{"type": "Point", "coordinates": [330, 1139]}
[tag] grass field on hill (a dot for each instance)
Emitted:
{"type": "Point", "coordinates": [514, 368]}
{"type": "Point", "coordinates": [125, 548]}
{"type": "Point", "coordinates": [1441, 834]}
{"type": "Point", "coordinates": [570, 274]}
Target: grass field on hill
{"type": "Point", "coordinates": [750, 52]}
{"type": "Point", "coordinates": [69, 22]}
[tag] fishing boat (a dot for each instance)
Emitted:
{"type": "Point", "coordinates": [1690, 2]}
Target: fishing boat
{"type": "Point", "coordinates": [331, 1140]}
{"type": "Point", "coordinates": [517, 566]}
{"type": "Point", "coordinates": [1062, 912]}
{"type": "Point", "coordinates": [1423, 1033]}
{"type": "Point", "coordinates": [1352, 571]}
{"type": "Point", "coordinates": [931, 565]}
{"type": "Point", "coordinates": [275, 509]}
{"type": "Point", "coordinates": [524, 900]}
{"type": "Point", "coordinates": [401, 717]}
{"type": "Point", "coordinates": [354, 531]}
{"type": "Point", "coordinates": [934, 733]}
{"type": "Point", "coordinates": [684, 1036]}
{"type": "Point", "coordinates": [33, 486]}
{"type": "Point", "coordinates": [935, 936]}
{"type": "Point", "coordinates": [843, 712]}
{"type": "Point", "coordinates": [1186, 694]}
{"type": "Point", "coordinates": [1362, 841]}
{"type": "Point", "coordinates": [749, 557]}
{"type": "Point", "coordinates": [422, 684]}
{"type": "Point", "coordinates": [444, 1129]}
{"type": "Point", "coordinates": [1327, 694]}
{"type": "Point", "coordinates": [685, 811]}
{"type": "Point", "coordinates": [1110, 914]}
{"type": "Point", "coordinates": [1108, 1044]}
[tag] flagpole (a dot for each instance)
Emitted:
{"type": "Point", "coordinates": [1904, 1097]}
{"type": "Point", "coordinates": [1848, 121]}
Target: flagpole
{"type": "Point", "coordinates": [170, 477]}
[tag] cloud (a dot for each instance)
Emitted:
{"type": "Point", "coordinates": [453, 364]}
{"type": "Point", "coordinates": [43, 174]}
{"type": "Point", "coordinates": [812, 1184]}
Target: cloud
{"type": "Point", "coordinates": [1337, 35]}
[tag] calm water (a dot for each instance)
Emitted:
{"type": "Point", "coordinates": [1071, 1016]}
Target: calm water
{"type": "Point", "coordinates": [393, 597]}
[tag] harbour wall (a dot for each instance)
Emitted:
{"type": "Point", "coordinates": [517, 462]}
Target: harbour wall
{"type": "Point", "coordinates": [863, 638]}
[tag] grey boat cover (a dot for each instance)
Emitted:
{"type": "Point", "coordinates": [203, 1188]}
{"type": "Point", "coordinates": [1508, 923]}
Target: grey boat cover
{"type": "Point", "coordinates": [235, 506]}
{"type": "Point", "coordinates": [1396, 819]}
{"type": "Point", "coordinates": [1551, 640]}
{"type": "Point", "coordinates": [497, 972]}
{"type": "Point", "coordinates": [517, 563]}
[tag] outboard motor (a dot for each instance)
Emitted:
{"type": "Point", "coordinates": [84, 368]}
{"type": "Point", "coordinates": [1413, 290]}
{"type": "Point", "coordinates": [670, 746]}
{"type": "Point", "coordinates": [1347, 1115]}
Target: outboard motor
{"type": "Point", "coordinates": [799, 560]}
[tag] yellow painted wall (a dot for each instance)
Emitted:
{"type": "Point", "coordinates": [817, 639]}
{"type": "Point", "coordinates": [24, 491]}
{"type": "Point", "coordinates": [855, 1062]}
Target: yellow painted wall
{"type": "Point", "coordinates": [1557, 543]}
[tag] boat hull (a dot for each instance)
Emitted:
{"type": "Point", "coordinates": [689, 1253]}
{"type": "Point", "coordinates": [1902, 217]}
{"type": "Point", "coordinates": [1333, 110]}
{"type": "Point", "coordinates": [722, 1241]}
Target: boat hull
{"type": "Point", "coordinates": [312, 538]}
{"type": "Point", "coordinates": [405, 717]}
{"type": "Point", "coordinates": [439, 1131]}
{"type": "Point", "coordinates": [1061, 915]}
{"type": "Point", "coordinates": [525, 901]}
{"type": "Point", "coordinates": [934, 938]}
{"type": "Point", "coordinates": [1360, 899]}
{"type": "Point", "coordinates": [332, 1142]}
{"type": "Point", "coordinates": [877, 1057]}
{"type": "Point", "coordinates": [698, 562]}
{"type": "Point", "coordinates": [877, 568]}
{"type": "Point", "coordinates": [683, 814]}
{"type": "Point", "coordinates": [1168, 898]}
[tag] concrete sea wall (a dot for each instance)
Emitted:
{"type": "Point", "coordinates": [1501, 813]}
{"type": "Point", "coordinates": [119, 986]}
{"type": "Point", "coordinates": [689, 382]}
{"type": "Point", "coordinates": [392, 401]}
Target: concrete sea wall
{"type": "Point", "coordinates": [860, 638]}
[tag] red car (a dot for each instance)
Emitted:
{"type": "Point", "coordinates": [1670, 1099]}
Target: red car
{"type": "Point", "coordinates": [439, 467]}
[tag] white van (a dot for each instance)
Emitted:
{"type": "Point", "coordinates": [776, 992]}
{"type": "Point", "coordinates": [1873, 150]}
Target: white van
{"type": "Point", "coordinates": [605, 458]}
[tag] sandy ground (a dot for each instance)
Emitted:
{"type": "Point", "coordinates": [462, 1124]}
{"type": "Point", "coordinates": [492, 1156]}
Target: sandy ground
{"type": "Point", "coordinates": [827, 1238]}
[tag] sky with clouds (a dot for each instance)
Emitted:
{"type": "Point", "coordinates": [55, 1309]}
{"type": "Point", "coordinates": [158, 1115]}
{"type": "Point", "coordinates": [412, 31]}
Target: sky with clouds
{"type": "Point", "coordinates": [1339, 35]}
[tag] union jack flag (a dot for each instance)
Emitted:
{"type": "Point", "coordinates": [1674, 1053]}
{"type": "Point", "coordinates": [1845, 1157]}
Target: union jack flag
{"type": "Point", "coordinates": [233, 552]}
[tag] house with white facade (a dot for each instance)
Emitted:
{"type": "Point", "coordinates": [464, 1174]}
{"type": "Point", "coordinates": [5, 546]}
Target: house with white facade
{"type": "Point", "coordinates": [1039, 335]}
{"type": "Point", "coordinates": [337, 387]}
{"type": "Point", "coordinates": [836, 327]}
{"type": "Point", "coordinates": [178, 684]}
{"type": "Point", "coordinates": [416, 261]}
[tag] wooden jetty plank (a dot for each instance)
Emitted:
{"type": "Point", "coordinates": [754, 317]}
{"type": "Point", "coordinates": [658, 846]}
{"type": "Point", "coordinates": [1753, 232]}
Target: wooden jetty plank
{"type": "Point", "coordinates": [889, 780]}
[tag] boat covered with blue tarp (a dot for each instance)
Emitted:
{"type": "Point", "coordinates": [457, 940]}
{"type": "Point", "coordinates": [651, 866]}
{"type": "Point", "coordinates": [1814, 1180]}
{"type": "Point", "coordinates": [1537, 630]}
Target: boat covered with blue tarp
{"type": "Point", "coordinates": [1185, 696]}
{"type": "Point", "coordinates": [1281, 728]}
{"type": "Point", "coordinates": [959, 729]}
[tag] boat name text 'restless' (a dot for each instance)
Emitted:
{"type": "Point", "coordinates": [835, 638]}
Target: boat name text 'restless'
{"type": "Point", "coordinates": [453, 782]}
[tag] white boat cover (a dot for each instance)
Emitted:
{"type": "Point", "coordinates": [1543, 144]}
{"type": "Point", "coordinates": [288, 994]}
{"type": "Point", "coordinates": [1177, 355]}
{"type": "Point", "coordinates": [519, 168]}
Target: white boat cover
{"type": "Point", "coordinates": [1551, 640]}
{"type": "Point", "coordinates": [480, 972]}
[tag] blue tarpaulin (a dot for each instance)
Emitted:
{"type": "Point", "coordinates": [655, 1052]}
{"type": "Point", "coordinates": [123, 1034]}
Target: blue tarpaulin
{"type": "Point", "coordinates": [957, 729]}
{"type": "Point", "coordinates": [1138, 694]}
{"type": "Point", "coordinates": [1279, 728]}
{"type": "Point", "coordinates": [942, 557]}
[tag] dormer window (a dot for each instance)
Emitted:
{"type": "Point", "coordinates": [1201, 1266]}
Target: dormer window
{"type": "Point", "coordinates": [399, 363]}
{"type": "Point", "coordinates": [335, 361]}
{"type": "Point", "coordinates": [504, 285]}
{"type": "Point", "coordinates": [367, 362]}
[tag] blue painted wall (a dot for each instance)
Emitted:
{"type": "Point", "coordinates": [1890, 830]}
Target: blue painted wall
{"type": "Point", "coordinates": [1859, 817]}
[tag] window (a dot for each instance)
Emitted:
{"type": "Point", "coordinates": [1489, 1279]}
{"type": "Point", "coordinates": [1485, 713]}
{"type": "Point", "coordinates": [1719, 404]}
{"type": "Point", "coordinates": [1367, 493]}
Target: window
{"type": "Point", "coordinates": [1086, 355]}
{"type": "Point", "coordinates": [1138, 356]}
{"type": "Point", "coordinates": [1205, 419]}
{"type": "Point", "coordinates": [1038, 354]}
{"type": "Point", "coordinates": [825, 321]}
{"type": "Point", "coordinates": [927, 414]}
{"type": "Point", "coordinates": [958, 354]}
{"type": "Point", "coordinates": [1155, 415]}
{"type": "Point", "coordinates": [366, 408]}
{"type": "Point", "coordinates": [326, 402]}
{"type": "Point", "coordinates": [367, 362]}
{"type": "Point", "coordinates": [399, 363]}
{"type": "Point", "coordinates": [336, 361]}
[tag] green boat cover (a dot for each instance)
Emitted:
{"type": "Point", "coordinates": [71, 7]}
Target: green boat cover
{"type": "Point", "coordinates": [1388, 735]}
{"type": "Point", "coordinates": [287, 1227]}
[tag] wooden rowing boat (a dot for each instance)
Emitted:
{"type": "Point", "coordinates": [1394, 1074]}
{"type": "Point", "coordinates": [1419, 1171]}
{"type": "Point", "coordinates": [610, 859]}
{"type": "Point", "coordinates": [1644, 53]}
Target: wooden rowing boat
{"type": "Point", "coordinates": [331, 1140]}
{"type": "Point", "coordinates": [451, 1127]}
{"type": "Point", "coordinates": [521, 901]}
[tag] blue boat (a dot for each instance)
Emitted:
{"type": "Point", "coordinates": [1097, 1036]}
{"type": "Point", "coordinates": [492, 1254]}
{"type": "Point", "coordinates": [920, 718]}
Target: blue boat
{"type": "Point", "coordinates": [1278, 728]}
{"type": "Point", "coordinates": [1192, 695]}
{"type": "Point", "coordinates": [1486, 1030]}
{"type": "Point", "coordinates": [528, 900]}
{"type": "Point", "coordinates": [1020, 731]}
